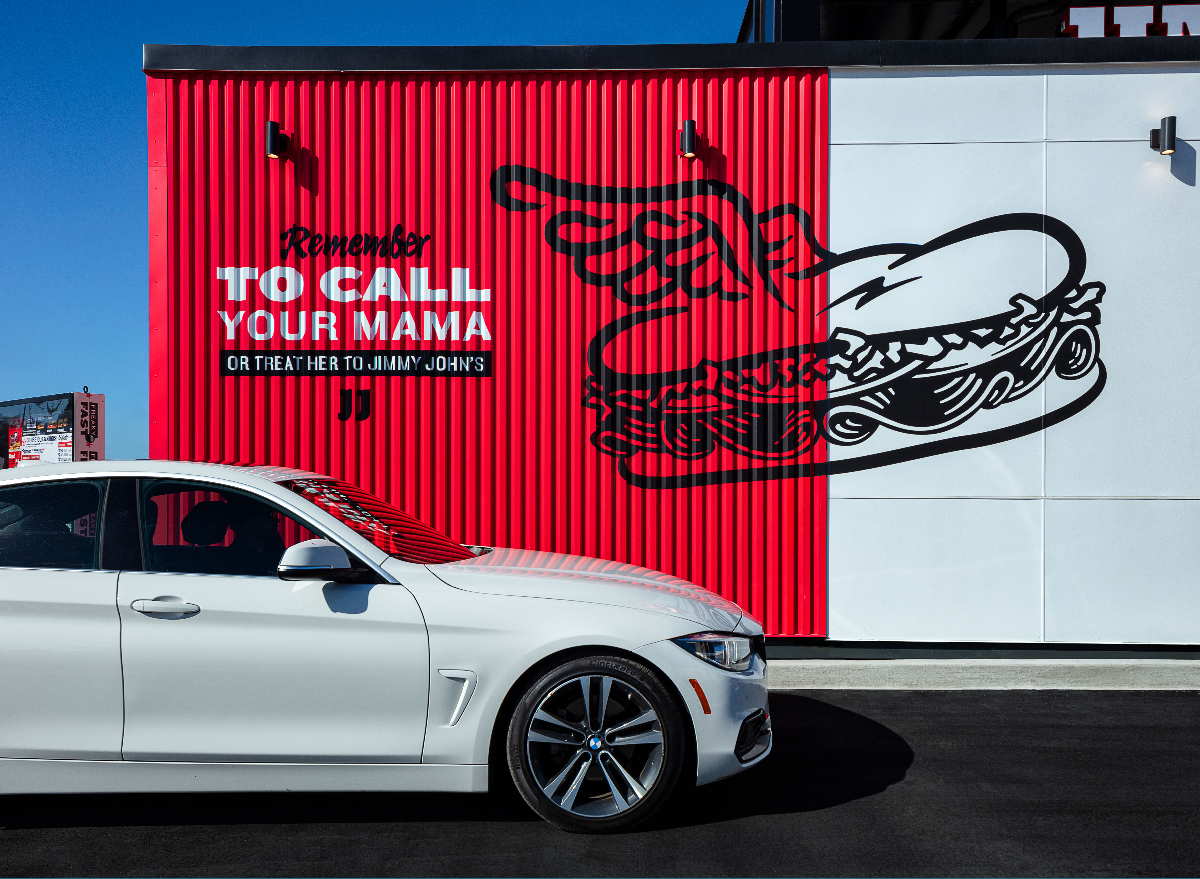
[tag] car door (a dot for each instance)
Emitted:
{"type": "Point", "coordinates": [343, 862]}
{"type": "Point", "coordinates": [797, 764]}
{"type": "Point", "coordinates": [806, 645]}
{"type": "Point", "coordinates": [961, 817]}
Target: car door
{"type": "Point", "coordinates": [60, 648]}
{"type": "Point", "coordinates": [226, 662]}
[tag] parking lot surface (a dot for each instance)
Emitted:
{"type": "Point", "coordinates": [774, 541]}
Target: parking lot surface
{"type": "Point", "coordinates": [870, 783]}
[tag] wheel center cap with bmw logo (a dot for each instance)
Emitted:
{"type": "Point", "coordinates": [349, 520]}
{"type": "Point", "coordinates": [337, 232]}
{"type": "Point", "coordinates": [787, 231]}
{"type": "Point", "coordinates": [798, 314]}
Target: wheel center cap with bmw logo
{"type": "Point", "coordinates": [594, 743]}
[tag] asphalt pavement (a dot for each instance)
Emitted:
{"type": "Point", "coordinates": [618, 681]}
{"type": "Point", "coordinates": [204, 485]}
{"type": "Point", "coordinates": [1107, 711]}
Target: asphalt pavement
{"type": "Point", "coordinates": [861, 783]}
{"type": "Point", "coordinates": [985, 674]}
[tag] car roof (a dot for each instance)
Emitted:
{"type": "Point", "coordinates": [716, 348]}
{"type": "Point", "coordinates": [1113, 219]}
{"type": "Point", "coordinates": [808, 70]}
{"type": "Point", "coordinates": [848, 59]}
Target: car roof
{"type": "Point", "coordinates": [236, 472]}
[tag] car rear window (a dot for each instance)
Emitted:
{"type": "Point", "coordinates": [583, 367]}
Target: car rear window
{"type": "Point", "coordinates": [390, 529]}
{"type": "Point", "coordinates": [50, 525]}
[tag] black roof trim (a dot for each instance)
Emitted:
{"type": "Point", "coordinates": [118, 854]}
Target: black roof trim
{"type": "Point", "coordinates": [864, 53]}
{"type": "Point", "coordinates": [46, 399]}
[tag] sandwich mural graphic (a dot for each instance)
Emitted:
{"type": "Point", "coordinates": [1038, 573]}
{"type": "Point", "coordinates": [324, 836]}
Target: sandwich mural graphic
{"type": "Point", "coordinates": [721, 364]}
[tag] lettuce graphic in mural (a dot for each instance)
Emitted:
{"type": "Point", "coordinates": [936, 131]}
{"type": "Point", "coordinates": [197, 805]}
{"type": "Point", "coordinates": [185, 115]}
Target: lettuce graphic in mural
{"type": "Point", "coordinates": [714, 362]}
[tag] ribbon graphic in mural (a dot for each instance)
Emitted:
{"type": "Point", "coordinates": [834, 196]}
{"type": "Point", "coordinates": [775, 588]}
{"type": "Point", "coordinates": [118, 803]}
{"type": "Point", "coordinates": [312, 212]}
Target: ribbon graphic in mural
{"type": "Point", "coordinates": [718, 368]}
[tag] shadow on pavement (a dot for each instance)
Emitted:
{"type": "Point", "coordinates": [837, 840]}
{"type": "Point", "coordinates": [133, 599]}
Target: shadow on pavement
{"type": "Point", "coordinates": [127, 810]}
{"type": "Point", "coordinates": [823, 756]}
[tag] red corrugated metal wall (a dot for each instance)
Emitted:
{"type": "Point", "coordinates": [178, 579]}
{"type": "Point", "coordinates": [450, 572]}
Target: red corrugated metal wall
{"type": "Point", "coordinates": [637, 344]}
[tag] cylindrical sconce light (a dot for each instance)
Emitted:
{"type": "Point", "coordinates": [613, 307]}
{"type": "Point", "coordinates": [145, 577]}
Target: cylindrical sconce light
{"type": "Point", "coordinates": [278, 143]}
{"type": "Point", "coordinates": [1162, 139]}
{"type": "Point", "coordinates": [687, 139]}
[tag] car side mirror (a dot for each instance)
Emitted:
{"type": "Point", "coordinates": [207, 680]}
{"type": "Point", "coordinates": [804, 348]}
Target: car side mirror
{"type": "Point", "coordinates": [314, 560]}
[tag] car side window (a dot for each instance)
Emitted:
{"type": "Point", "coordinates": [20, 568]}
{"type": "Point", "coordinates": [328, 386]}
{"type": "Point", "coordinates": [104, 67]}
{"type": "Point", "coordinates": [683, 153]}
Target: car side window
{"type": "Point", "coordinates": [51, 525]}
{"type": "Point", "coordinates": [192, 528]}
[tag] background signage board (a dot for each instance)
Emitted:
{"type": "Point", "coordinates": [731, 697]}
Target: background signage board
{"type": "Point", "coordinates": [52, 430]}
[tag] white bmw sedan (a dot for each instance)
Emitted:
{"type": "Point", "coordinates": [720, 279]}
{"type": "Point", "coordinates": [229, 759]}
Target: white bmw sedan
{"type": "Point", "coordinates": [168, 626]}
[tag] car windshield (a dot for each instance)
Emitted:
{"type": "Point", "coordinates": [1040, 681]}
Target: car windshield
{"type": "Point", "coordinates": [390, 529]}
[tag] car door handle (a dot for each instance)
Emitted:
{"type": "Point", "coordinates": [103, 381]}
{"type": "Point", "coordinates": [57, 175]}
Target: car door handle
{"type": "Point", "coordinates": [164, 605]}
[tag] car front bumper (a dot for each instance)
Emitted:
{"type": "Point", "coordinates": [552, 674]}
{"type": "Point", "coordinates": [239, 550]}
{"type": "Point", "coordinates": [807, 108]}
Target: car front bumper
{"type": "Point", "coordinates": [737, 719]}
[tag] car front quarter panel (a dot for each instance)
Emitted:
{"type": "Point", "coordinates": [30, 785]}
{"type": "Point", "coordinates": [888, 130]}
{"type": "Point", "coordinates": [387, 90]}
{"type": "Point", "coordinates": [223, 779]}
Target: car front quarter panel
{"type": "Point", "coordinates": [499, 638]}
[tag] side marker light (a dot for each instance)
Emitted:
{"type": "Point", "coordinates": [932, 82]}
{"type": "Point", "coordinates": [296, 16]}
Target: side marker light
{"type": "Point", "coordinates": [700, 692]}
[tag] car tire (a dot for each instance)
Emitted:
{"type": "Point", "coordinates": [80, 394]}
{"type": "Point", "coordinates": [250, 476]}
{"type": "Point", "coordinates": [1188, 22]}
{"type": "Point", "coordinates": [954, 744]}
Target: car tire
{"type": "Point", "coordinates": [595, 745]}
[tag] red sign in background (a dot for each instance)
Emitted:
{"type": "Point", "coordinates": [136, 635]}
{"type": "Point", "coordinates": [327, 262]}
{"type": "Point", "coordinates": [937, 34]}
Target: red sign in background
{"type": "Point", "coordinates": [505, 303]}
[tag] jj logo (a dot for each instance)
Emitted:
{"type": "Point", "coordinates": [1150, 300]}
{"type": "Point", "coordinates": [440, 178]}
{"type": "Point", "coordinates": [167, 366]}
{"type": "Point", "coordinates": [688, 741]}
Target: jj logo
{"type": "Point", "coordinates": [357, 403]}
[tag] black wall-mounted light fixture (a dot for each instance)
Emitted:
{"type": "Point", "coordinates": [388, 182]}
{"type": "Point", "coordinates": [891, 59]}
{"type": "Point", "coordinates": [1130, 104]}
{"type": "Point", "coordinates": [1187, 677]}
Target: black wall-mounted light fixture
{"type": "Point", "coordinates": [1162, 139]}
{"type": "Point", "coordinates": [278, 143]}
{"type": "Point", "coordinates": [687, 139]}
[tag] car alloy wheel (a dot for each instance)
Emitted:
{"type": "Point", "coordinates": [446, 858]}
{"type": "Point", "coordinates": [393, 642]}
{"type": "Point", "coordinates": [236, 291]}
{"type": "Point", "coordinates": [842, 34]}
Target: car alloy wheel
{"type": "Point", "coordinates": [596, 745]}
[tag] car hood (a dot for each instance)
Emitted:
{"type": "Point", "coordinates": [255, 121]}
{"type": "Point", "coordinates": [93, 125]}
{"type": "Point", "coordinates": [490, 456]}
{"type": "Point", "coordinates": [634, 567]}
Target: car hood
{"type": "Point", "coordinates": [555, 575]}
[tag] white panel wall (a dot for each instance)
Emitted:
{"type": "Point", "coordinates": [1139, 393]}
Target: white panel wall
{"type": "Point", "coordinates": [1122, 570]}
{"type": "Point", "coordinates": [926, 567]}
{"type": "Point", "coordinates": [1143, 237]}
{"type": "Point", "coordinates": [1088, 531]}
{"type": "Point", "coordinates": [935, 106]}
{"type": "Point", "coordinates": [1120, 102]}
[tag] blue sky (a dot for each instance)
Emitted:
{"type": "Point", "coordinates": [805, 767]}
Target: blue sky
{"type": "Point", "coordinates": [73, 234]}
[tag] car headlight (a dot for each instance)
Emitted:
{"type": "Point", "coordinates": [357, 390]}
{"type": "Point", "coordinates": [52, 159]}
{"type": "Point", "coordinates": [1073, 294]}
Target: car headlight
{"type": "Point", "coordinates": [730, 652]}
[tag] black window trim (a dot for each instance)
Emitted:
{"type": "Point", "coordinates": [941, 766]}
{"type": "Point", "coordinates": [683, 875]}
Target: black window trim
{"type": "Point", "coordinates": [1062, 53]}
{"type": "Point", "coordinates": [104, 523]}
